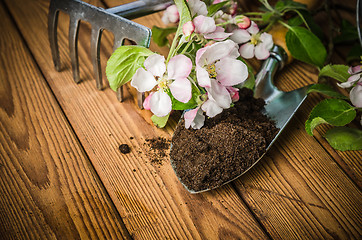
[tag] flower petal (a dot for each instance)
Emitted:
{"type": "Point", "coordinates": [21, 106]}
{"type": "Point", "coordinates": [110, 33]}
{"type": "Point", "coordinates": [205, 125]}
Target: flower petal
{"type": "Point", "coordinates": [354, 70]}
{"type": "Point", "coordinates": [356, 96]}
{"type": "Point", "coordinates": [267, 40]}
{"type": "Point", "coordinates": [219, 34]}
{"type": "Point", "coordinates": [197, 7]}
{"type": "Point", "coordinates": [198, 120]}
{"type": "Point", "coordinates": [202, 76]}
{"type": "Point", "coordinates": [155, 64]}
{"type": "Point", "coordinates": [146, 102]}
{"type": "Point", "coordinates": [211, 108]}
{"type": "Point", "coordinates": [261, 52]}
{"type": "Point", "coordinates": [217, 51]}
{"type": "Point", "coordinates": [231, 72]}
{"type": "Point", "coordinates": [204, 24]}
{"type": "Point", "coordinates": [160, 103]}
{"type": "Point", "coordinates": [253, 29]}
{"type": "Point", "coordinates": [240, 36]}
{"type": "Point", "coordinates": [189, 117]}
{"type": "Point", "coordinates": [350, 82]}
{"type": "Point", "coordinates": [143, 80]}
{"type": "Point", "coordinates": [179, 67]}
{"type": "Point", "coordinates": [247, 50]}
{"type": "Point", "coordinates": [181, 89]}
{"type": "Point", "coordinates": [219, 94]}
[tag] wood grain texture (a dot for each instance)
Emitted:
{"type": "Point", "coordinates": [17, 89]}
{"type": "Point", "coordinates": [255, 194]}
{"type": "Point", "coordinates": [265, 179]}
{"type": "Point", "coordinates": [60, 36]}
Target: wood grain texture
{"type": "Point", "coordinates": [306, 193]}
{"type": "Point", "coordinates": [48, 187]}
{"type": "Point", "coordinates": [297, 191]}
{"type": "Point", "coordinates": [151, 201]}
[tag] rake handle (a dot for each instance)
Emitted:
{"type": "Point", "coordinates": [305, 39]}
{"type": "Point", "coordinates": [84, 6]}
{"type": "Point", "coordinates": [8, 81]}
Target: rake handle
{"type": "Point", "coordinates": [140, 8]}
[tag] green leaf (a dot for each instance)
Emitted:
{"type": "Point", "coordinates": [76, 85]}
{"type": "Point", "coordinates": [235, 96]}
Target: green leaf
{"type": "Point", "coordinates": [267, 16]}
{"type": "Point", "coordinates": [289, 5]}
{"type": "Point", "coordinates": [159, 35]}
{"type": "Point", "coordinates": [326, 90]}
{"type": "Point", "coordinates": [123, 64]}
{"type": "Point", "coordinates": [344, 138]}
{"type": "Point", "coordinates": [250, 82]}
{"type": "Point", "coordinates": [314, 27]}
{"type": "Point", "coordinates": [213, 8]}
{"type": "Point", "coordinates": [338, 72]}
{"type": "Point", "coordinates": [295, 21]}
{"type": "Point", "coordinates": [335, 112]}
{"type": "Point", "coordinates": [305, 46]}
{"type": "Point", "coordinates": [160, 121]}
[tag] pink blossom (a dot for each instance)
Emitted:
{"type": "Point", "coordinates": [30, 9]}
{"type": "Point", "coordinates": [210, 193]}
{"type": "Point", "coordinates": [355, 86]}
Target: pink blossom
{"type": "Point", "coordinates": [216, 69]}
{"type": "Point", "coordinates": [154, 74]}
{"type": "Point", "coordinates": [170, 15]}
{"type": "Point", "coordinates": [204, 24]}
{"type": "Point", "coordinates": [253, 42]}
{"type": "Point", "coordinates": [206, 27]}
{"type": "Point", "coordinates": [355, 94]}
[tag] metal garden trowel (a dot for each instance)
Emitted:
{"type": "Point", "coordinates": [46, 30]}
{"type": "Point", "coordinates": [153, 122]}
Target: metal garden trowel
{"type": "Point", "coordinates": [279, 106]}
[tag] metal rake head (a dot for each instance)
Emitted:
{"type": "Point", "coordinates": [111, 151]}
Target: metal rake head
{"type": "Point", "coordinates": [111, 19]}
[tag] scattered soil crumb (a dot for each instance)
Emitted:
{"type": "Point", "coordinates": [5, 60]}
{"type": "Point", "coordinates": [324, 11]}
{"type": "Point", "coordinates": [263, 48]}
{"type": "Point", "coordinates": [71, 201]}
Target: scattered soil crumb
{"type": "Point", "coordinates": [124, 148]}
{"type": "Point", "coordinates": [131, 138]}
{"type": "Point", "coordinates": [225, 147]}
{"type": "Point", "coordinates": [158, 149]}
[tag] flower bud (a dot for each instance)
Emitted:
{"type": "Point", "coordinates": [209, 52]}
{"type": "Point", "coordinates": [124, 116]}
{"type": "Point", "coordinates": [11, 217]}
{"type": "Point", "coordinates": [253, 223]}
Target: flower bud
{"type": "Point", "coordinates": [188, 28]}
{"type": "Point", "coordinates": [171, 15]}
{"type": "Point", "coordinates": [242, 21]}
{"type": "Point", "coordinates": [234, 93]}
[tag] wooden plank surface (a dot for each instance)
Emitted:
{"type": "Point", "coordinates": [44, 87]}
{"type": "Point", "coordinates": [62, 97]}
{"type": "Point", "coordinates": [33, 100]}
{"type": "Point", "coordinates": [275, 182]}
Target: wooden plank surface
{"type": "Point", "coordinates": [301, 190]}
{"type": "Point", "coordinates": [48, 187]}
{"type": "Point", "coordinates": [149, 198]}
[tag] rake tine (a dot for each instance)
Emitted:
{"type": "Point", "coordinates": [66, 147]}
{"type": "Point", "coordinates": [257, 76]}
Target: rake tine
{"type": "Point", "coordinates": [120, 94]}
{"type": "Point", "coordinates": [95, 55]}
{"type": "Point", "coordinates": [73, 47]}
{"type": "Point", "coordinates": [53, 35]}
{"type": "Point", "coordinates": [101, 19]}
{"type": "Point", "coordinates": [140, 99]}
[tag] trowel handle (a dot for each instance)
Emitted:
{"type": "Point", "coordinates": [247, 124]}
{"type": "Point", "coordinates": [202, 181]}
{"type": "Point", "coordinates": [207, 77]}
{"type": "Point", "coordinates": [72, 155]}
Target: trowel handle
{"type": "Point", "coordinates": [264, 86]}
{"type": "Point", "coordinates": [140, 8]}
{"type": "Point", "coordinates": [279, 56]}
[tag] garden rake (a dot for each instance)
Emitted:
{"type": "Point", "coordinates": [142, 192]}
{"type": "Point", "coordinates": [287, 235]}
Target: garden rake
{"type": "Point", "coordinates": [112, 19]}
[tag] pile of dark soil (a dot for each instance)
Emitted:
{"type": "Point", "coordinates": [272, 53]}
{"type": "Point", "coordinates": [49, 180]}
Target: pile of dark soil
{"type": "Point", "coordinates": [225, 147]}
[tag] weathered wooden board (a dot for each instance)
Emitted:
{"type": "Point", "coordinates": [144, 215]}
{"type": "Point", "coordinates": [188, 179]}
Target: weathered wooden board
{"type": "Point", "coordinates": [48, 187]}
{"type": "Point", "coordinates": [149, 198]}
{"type": "Point", "coordinates": [299, 190]}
